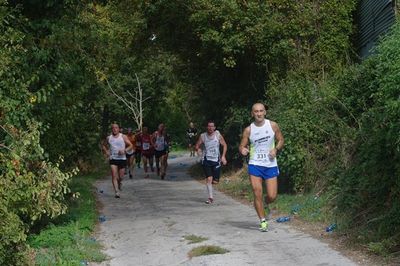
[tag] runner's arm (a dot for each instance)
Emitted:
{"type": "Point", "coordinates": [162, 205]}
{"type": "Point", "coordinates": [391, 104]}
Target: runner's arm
{"type": "Point", "coordinates": [243, 147]}
{"type": "Point", "coordinates": [224, 149]}
{"type": "Point", "coordinates": [279, 140]}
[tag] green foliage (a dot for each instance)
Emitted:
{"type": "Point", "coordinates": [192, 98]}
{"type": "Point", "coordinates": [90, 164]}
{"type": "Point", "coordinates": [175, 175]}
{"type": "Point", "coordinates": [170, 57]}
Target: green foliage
{"type": "Point", "coordinates": [369, 188]}
{"type": "Point", "coordinates": [315, 136]}
{"type": "Point", "coordinates": [31, 189]}
{"type": "Point", "coordinates": [238, 50]}
{"type": "Point", "coordinates": [68, 240]}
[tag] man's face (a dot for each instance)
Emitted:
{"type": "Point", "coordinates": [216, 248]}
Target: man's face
{"type": "Point", "coordinates": [258, 112]}
{"type": "Point", "coordinates": [210, 128]}
{"type": "Point", "coordinates": [144, 130]}
{"type": "Point", "coordinates": [115, 129]}
{"type": "Point", "coordinates": [191, 125]}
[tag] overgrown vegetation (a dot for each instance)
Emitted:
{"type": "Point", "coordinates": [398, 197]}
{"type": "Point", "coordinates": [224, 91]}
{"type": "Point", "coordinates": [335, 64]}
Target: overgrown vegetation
{"type": "Point", "coordinates": [69, 240]}
{"type": "Point", "coordinates": [368, 188]}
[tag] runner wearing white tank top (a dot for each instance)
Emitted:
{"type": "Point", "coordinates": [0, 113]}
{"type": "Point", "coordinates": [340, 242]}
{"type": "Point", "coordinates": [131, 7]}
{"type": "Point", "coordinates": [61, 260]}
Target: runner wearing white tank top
{"type": "Point", "coordinates": [115, 147]}
{"type": "Point", "coordinates": [266, 140]}
{"type": "Point", "coordinates": [160, 146]}
{"type": "Point", "coordinates": [210, 142]}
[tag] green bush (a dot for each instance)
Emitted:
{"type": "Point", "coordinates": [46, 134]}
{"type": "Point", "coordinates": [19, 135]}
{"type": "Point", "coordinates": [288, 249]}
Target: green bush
{"type": "Point", "coordinates": [370, 188]}
{"type": "Point", "coordinates": [315, 136]}
{"type": "Point", "coordinates": [31, 189]}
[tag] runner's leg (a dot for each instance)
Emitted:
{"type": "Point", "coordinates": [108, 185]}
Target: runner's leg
{"type": "Point", "coordinates": [114, 177]}
{"type": "Point", "coordinates": [256, 183]}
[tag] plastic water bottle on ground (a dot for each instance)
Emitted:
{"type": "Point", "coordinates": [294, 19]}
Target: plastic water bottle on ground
{"type": "Point", "coordinates": [102, 218]}
{"type": "Point", "coordinates": [330, 228]}
{"type": "Point", "coordinates": [283, 219]}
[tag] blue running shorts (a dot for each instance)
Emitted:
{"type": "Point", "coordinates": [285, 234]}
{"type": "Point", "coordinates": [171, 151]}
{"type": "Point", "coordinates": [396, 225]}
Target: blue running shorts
{"type": "Point", "coordinates": [263, 172]}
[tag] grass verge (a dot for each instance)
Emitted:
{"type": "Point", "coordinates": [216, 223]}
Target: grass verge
{"type": "Point", "coordinates": [68, 239]}
{"type": "Point", "coordinates": [308, 207]}
{"type": "Point", "coordinates": [206, 250]}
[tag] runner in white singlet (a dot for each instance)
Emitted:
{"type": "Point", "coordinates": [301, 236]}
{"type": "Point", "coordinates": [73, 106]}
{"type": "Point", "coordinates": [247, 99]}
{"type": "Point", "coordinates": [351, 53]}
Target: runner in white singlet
{"type": "Point", "coordinates": [266, 140]}
{"type": "Point", "coordinates": [210, 142]}
{"type": "Point", "coordinates": [160, 147]}
{"type": "Point", "coordinates": [115, 147]}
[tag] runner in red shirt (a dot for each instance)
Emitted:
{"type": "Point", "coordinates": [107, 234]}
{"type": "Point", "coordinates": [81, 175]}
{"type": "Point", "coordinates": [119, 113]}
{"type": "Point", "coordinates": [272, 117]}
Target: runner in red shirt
{"type": "Point", "coordinates": [147, 150]}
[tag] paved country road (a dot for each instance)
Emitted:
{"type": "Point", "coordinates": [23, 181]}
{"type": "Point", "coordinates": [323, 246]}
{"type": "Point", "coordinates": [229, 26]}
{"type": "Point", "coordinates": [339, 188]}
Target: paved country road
{"type": "Point", "coordinates": [147, 225]}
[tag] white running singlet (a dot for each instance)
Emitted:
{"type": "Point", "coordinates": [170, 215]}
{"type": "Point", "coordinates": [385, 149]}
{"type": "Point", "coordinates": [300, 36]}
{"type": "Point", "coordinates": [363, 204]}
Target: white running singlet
{"type": "Point", "coordinates": [211, 145]}
{"type": "Point", "coordinates": [116, 144]}
{"type": "Point", "coordinates": [160, 143]}
{"type": "Point", "coordinates": [262, 140]}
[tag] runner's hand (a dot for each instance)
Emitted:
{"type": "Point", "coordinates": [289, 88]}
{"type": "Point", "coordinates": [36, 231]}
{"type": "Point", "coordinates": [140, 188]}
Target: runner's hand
{"type": "Point", "coordinates": [223, 160]}
{"type": "Point", "coordinates": [244, 151]}
{"type": "Point", "coordinates": [272, 153]}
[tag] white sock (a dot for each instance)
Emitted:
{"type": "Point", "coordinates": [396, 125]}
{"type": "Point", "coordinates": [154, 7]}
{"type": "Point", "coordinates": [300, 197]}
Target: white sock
{"type": "Point", "coordinates": [210, 190]}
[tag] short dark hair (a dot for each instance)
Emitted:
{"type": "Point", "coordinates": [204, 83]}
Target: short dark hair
{"type": "Point", "coordinates": [210, 121]}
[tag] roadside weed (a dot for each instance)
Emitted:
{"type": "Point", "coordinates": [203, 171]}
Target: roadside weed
{"type": "Point", "coordinates": [194, 239]}
{"type": "Point", "coordinates": [206, 250]}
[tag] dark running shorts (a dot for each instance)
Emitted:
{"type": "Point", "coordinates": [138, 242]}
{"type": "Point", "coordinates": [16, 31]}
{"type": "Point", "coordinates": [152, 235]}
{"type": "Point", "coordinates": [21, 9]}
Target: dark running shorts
{"type": "Point", "coordinates": [211, 169]}
{"type": "Point", "coordinates": [148, 155]}
{"type": "Point", "coordinates": [158, 154]}
{"type": "Point", "coordinates": [119, 163]}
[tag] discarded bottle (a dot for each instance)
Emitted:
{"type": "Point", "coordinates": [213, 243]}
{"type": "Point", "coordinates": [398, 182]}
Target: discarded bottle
{"type": "Point", "coordinates": [283, 219]}
{"type": "Point", "coordinates": [296, 208]}
{"type": "Point", "coordinates": [102, 218]}
{"type": "Point", "coordinates": [330, 228]}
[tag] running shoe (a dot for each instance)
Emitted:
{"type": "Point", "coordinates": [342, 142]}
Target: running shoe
{"type": "Point", "coordinates": [117, 196]}
{"type": "Point", "coordinates": [264, 226]}
{"type": "Point", "coordinates": [209, 201]}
